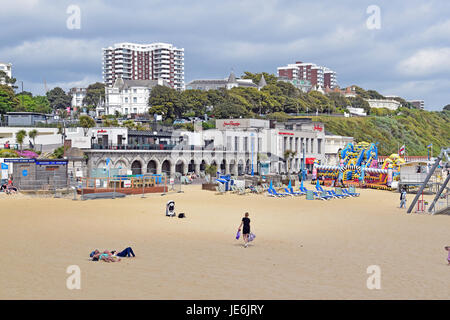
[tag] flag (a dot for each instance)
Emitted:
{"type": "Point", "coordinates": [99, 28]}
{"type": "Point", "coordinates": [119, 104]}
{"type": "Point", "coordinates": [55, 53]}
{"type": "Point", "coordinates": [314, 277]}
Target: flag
{"type": "Point", "coordinates": [430, 145]}
{"type": "Point", "coordinates": [401, 151]}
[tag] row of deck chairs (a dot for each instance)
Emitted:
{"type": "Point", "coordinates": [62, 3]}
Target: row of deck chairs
{"type": "Point", "coordinates": [338, 193]}
{"type": "Point", "coordinates": [319, 194]}
{"type": "Point", "coordinates": [234, 189]}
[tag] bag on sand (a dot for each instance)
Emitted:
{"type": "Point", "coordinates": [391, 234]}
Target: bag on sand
{"type": "Point", "coordinates": [238, 234]}
{"type": "Point", "coordinates": [251, 237]}
{"type": "Point", "coordinates": [181, 215]}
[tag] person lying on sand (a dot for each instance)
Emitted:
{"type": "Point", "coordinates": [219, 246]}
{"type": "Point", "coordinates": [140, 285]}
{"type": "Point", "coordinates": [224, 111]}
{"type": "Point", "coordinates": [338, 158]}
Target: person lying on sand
{"type": "Point", "coordinates": [106, 256]}
{"type": "Point", "coordinates": [127, 252]}
{"type": "Point", "coordinates": [448, 258]}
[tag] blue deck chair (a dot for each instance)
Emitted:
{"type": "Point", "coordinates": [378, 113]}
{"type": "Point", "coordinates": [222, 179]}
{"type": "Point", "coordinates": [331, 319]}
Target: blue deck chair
{"type": "Point", "coordinates": [331, 193]}
{"type": "Point", "coordinates": [290, 190]}
{"type": "Point", "coordinates": [281, 194]}
{"type": "Point", "coordinates": [337, 195]}
{"type": "Point", "coordinates": [350, 193]}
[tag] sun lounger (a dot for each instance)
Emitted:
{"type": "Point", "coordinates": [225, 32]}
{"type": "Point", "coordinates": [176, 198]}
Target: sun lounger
{"type": "Point", "coordinates": [323, 196]}
{"type": "Point", "coordinates": [353, 194]}
{"type": "Point", "coordinates": [291, 191]}
{"type": "Point", "coordinates": [274, 192]}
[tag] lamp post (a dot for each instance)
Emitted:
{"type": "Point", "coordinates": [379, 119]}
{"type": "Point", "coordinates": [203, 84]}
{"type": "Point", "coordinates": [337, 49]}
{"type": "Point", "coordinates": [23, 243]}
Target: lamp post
{"type": "Point", "coordinates": [303, 161]}
{"type": "Point", "coordinates": [252, 143]}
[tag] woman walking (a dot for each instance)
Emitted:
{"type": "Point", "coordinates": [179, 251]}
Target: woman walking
{"type": "Point", "coordinates": [246, 229]}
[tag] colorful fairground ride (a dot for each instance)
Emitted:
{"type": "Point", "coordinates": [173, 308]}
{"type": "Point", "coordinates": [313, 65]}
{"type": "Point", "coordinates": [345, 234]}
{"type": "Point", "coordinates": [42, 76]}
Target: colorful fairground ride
{"type": "Point", "coordinates": [359, 166]}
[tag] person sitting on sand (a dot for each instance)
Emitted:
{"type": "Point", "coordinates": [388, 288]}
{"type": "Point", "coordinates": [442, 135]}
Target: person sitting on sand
{"type": "Point", "coordinates": [127, 252]}
{"type": "Point", "coordinates": [448, 258]}
{"type": "Point", "coordinates": [246, 230]}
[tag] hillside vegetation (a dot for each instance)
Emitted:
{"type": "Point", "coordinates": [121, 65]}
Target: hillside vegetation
{"type": "Point", "coordinates": [414, 128]}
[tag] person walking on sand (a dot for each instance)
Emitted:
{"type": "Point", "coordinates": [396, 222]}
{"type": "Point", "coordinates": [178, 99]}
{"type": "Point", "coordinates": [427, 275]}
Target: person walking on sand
{"type": "Point", "coordinates": [448, 258]}
{"type": "Point", "coordinates": [246, 229]}
{"type": "Point", "coordinates": [403, 198]}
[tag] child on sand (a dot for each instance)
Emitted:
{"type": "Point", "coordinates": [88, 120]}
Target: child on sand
{"type": "Point", "coordinates": [246, 230]}
{"type": "Point", "coordinates": [448, 258]}
{"type": "Point", "coordinates": [403, 198]}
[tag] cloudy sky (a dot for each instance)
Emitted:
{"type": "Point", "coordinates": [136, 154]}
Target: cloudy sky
{"type": "Point", "coordinates": [408, 55]}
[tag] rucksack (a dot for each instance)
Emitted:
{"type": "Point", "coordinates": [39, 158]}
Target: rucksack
{"type": "Point", "coordinates": [181, 215]}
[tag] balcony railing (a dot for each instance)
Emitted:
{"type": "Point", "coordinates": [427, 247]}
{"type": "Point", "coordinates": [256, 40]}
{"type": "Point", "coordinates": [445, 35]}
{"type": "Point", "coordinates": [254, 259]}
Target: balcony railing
{"type": "Point", "coordinates": [177, 147]}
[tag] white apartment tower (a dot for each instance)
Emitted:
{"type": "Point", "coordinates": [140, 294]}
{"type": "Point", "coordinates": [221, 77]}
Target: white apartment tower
{"type": "Point", "coordinates": [152, 61]}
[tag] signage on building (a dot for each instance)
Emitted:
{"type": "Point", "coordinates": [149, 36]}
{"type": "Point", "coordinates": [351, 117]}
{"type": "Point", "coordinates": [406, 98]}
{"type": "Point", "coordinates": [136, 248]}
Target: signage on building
{"type": "Point", "coordinates": [4, 166]}
{"type": "Point", "coordinates": [102, 131]}
{"type": "Point", "coordinates": [51, 168]}
{"type": "Point", "coordinates": [51, 162]}
{"type": "Point", "coordinates": [231, 123]}
{"type": "Point", "coordinates": [286, 133]}
{"type": "Point", "coordinates": [317, 127]}
{"type": "Point", "coordinates": [20, 160]}
{"type": "Point", "coordinates": [127, 183]}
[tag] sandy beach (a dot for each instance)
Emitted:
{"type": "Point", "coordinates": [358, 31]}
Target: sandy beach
{"type": "Point", "coordinates": [303, 249]}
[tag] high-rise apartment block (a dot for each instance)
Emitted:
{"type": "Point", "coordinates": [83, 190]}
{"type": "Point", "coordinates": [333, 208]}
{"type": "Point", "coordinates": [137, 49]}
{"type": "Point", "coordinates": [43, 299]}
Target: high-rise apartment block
{"type": "Point", "coordinates": [154, 61]}
{"type": "Point", "coordinates": [316, 75]}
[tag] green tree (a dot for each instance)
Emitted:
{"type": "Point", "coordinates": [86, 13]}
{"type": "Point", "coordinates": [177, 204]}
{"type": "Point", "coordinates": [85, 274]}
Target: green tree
{"type": "Point", "coordinates": [359, 102]}
{"type": "Point", "coordinates": [165, 101]}
{"type": "Point", "coordinates": [58, 99]}
{"type": "Point", "coordinates": [130, 124]}
{"type": "Point", "coordinates": [95, 94]}
{"type": "Point", "coordinates": [8, 80]}
{"type": "Point", "coordinates": [211, 170]}
{"type": "Point", "coordinates": [86, 122]}
{"type": "Point", "coordinates": [230, 109]}
{"type": "Point", "coordinates": [288, 155]}
{"type": "Point", "coordinates": [321, 102]}
{"type": "Point", "coordinates": [20, 137]}
{"type": "Point", "coordinates": [194, 102]}
{"type": "Point", "coordinates": [339, 100]}
{"type": "Point", "coordinates": [256, 77]}
{"type": "Point", "coordinates": [32, 134]}
{"type": "Point", "coordinates": [8, 100]}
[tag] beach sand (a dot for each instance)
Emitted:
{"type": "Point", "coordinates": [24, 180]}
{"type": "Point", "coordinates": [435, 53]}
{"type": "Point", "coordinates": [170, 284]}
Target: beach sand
{"type": "Point", "coordinates": [303, 249]}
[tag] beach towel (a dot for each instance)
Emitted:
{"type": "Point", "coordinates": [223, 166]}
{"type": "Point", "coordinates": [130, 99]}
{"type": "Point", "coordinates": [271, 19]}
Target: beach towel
{"type": "Point", "coordinates": [238, 234]}
{"type": "Point", "coordinates": [251, 237]}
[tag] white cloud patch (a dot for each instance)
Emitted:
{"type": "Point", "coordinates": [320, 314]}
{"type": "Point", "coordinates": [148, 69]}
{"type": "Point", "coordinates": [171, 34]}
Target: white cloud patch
{"type": "Point", "coordinates": [426, 62]}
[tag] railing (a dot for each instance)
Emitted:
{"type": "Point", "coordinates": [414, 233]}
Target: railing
{"type": "Point", "coordinates": [97, 146]}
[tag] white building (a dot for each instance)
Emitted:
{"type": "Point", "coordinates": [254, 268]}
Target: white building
{"type": "Point", "coordinates": [261, 139]}
{"type": "Point", "coordinates": [356, 111]}
{"type": "Point", "coordinates": [333, 143]}
{"type": "Point", "coordinates": [227, 83]}
{"type": "Point", "coordinates": [78, 95]}
{"type": "Point", "coordinates": [153, 61]}
{"type": "Point", "coordinates": [384, 103]}
{"type": "Point", "coordinates": [128, 96]}
{"type": "Point", "coordinates": [7, 68]}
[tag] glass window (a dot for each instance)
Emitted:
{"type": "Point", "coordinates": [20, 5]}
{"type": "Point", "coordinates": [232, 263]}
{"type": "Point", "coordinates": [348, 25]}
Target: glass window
{"type": "Point", "coordinates": [134, 100]}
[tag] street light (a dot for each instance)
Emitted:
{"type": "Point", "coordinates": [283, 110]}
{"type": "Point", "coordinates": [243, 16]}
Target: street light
{"type": "Point", "coordinates": [252, 143]}
{"type": "Point", "coordinates": [303, 161]}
